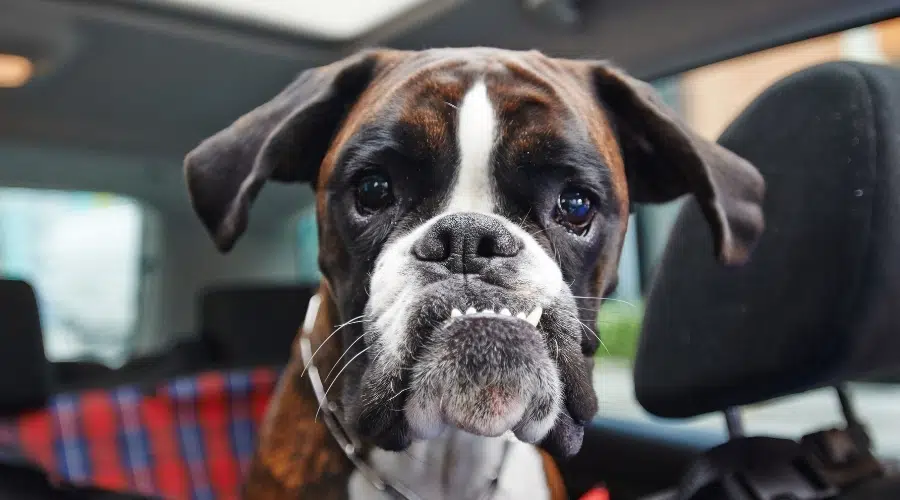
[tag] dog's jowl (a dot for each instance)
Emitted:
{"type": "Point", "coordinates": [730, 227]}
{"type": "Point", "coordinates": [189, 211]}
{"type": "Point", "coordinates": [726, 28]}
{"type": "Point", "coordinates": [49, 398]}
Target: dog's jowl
{"type": "Point", "coordinates": [472, 205]}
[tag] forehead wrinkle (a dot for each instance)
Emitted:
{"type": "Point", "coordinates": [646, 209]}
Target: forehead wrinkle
{"type": "Point", "coordinates": [430, 109]}
{"type": "Point", "coordinates": [569, 82]}
{"type": "Point", "coordinates": [530, 116]}
{"type": "Point", "coordinates": [375, 101]}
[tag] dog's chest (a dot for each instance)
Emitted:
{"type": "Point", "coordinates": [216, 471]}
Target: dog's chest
{"type": "Point", "coordinates": [458, 466]}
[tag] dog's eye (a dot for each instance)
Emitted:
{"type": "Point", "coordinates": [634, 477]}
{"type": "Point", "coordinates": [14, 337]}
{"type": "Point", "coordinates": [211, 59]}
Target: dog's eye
{"type": "Point", "coordinates": [373, 193]}
{"type": "Point", "coordinates": [575, 210]}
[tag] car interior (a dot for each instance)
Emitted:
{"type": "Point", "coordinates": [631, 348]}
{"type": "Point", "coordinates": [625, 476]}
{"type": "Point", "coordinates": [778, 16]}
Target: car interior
{"type": "Point", "coordinates": [138, 361]}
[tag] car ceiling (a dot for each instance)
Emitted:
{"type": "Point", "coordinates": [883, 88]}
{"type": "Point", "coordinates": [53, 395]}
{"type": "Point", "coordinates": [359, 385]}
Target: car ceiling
{"type": "Point", "coordinates": [127, 88]}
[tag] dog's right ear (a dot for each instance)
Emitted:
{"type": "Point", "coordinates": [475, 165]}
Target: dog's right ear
{"type": "Point", "coordinates": [283, 140]}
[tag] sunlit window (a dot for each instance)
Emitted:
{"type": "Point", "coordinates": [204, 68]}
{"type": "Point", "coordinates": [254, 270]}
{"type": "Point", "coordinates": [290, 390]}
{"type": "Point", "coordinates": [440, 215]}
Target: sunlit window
{"type": "Point", "coordinates": [82, 254]}
{"type": "Point", "coordinates": [334, 19]}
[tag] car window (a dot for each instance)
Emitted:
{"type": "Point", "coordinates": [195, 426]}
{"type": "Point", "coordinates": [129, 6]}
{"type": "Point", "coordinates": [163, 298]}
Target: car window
{"type": "Point", "coordinates": [307, 247]}
{"type": "Point", "coordinates": [709, 98]}
{"type": "Point", "coordinates": [82, 254]}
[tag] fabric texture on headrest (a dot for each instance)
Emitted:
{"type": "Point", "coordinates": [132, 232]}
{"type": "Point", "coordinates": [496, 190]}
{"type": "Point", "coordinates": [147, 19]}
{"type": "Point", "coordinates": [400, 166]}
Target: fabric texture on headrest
{"type": "Point", "coordinates": [819, 301]}
{"type": "Point", "coordinates": [25, 376]}
{"type": "Point", "coordinates": [250, 325]}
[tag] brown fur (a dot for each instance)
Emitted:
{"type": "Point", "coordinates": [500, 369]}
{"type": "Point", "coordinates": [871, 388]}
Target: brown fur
{"type": "Point", "coordinates": [296, 457]}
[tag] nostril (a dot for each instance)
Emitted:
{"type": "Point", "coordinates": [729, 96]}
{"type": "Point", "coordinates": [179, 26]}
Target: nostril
{"type": "Point", "coordinates": [498, 244]}
{"type": "Point", "coordinates": [487, 247]}
{"type": "Point", "coordinates": [435, 246]}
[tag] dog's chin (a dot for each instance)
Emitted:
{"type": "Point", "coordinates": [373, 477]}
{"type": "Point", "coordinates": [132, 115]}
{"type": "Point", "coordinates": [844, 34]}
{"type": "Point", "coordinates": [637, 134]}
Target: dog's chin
{"type": "Point", "coordinates": [515, 369]}
{"type": "Point", "coordinates": [486, 374]}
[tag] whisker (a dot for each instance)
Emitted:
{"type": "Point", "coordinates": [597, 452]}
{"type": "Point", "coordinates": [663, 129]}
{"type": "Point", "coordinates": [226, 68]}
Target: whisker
{"type": "Point", "coordinates": [338, 376]}
{"type": "Point", "coordinates": [342, 357]}
{"type": "Point", "coordinates": [401, 391]}
{"type": "Point", "coordinates": [606, 312]}
{"type": "Point", "coordinates": [417, 459]}
{"type": "Point", "coordinates": [592, 332]}
{"type": "Point", "coordinates": [605, 298]}
{"type": "Point", "coordinates": [522, 222]}
{"type": "Point", "coordinates": [358, 319]}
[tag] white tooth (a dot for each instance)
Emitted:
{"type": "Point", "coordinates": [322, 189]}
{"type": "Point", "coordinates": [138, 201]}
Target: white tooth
{"type": "Point", "coordinates": [471, 310]}
{"type": "Point", "coordinates": [520, 315]}
{"type": "Point", "coordinates": [455, 312]}
{"type": "Point", "coordinates": [535, 315]}
{"type": "Point", "coordinates": [487, 311]}
{"type": "Point", "coordinates": [505, 312]}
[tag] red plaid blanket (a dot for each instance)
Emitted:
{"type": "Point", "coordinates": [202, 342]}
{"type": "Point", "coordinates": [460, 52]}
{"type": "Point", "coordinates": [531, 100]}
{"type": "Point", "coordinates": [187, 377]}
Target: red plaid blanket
{"type": "Point", "coordinates": [190, 438]}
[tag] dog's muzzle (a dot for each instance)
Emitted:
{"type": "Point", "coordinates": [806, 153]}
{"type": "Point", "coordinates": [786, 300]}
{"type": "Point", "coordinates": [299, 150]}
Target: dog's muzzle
{"type": "Point", "coordinates": [462, 320]}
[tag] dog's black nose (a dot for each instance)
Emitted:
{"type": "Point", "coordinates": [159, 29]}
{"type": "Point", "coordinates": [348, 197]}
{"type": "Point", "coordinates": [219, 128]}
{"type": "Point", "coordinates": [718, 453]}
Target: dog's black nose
{"type": "Point", "coordinates": [466, 242]}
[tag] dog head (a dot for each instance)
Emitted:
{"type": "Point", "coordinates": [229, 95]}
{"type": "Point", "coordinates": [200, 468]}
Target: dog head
{"type": "Point", "coordinates": [472, 205]}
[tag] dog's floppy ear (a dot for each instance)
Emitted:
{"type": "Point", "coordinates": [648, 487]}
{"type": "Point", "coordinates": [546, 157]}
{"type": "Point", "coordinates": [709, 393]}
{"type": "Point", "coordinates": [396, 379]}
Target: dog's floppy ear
{"type": "Point", "coordinates": [283, 140]}
{"type": "Point", "coordinates": [665, 159]}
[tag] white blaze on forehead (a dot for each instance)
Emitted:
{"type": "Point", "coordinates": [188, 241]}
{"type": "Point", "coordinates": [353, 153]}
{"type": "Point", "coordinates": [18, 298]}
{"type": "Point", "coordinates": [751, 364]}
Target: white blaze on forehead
{"type": "Point", "coordinates": [476, 133]}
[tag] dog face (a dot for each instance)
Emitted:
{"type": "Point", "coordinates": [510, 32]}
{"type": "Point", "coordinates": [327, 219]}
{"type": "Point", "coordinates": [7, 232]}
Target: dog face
{"type": "Point", "coordinates": [472, 205]}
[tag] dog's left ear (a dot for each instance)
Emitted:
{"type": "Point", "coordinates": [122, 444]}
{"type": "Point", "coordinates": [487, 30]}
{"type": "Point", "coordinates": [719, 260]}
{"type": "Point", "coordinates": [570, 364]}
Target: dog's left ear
{"type": "Point", "coordinates": [283, 140]}
{"type": "Point", "coordinates": [665, 159]}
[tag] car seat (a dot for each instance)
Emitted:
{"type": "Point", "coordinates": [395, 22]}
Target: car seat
{"type": "Point", "coordinates": [816, 306]}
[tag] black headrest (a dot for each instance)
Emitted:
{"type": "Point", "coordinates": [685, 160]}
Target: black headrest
{"type": "Point", "coordinates": [819, 302]}
{"type": "Point", "coordinates": [25, 378]}
{"type": "Point", "coordinates": [248, 325]}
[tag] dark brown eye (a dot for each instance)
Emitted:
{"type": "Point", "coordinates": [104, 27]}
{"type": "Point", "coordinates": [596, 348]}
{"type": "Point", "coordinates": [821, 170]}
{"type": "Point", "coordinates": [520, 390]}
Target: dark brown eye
{"type": "Point", "coordinates": [374, 193]}
{"type": "Point", "coordinates": [575, 210]}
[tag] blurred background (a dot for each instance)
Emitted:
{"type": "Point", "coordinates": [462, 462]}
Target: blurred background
{"type": "Point", "coordinates": [100, 100]}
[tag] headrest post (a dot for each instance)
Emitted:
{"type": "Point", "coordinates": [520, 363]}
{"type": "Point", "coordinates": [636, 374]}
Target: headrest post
{"type": "Point", "coordinates": [847, 408]}
{"type": "Point", "coordinates": [734, 422]}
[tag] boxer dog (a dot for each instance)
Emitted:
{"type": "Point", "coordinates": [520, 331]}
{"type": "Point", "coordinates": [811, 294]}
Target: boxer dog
{"type": "Point", "coordinates": [471, 208]}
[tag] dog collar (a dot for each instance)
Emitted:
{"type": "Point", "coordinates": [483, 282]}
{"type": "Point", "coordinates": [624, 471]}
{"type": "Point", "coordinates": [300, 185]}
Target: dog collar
{"type": "Point", "coordinates": [347, 440]}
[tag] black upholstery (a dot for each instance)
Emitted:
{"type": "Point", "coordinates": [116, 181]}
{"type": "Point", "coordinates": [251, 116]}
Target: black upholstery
{"type": "Point", "coordinates": [75, 375]}
{"type": "Point", "coordinates": [21, 482]}
{"type": "Point", "coordinates": [252, 325]}
{"type": "Point", "coordinates": [886, 489]}
{"type": "Point", "coordinates": [182, 358]}
{"type": "Point", "coordinates": [819, 301]}
{"type": "Point", "coordinates": [25, 379]}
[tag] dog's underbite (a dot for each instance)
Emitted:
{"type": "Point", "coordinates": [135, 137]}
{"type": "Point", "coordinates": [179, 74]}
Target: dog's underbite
{"type": "Point", "coordinates": [472, 205]}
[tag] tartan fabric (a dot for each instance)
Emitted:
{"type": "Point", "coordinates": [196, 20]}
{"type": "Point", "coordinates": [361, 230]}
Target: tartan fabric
{"type": "Point", "coordinates": [191, 438]}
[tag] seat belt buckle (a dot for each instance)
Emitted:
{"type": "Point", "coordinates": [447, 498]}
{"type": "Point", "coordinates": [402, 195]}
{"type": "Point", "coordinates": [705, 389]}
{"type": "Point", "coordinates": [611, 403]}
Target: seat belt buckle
{"type": "Point", "coordinates": [755, 468]}
{"type": "Point", "coordinates": [843, 455]}
{"type": "Point", "coordinates": [783, 480]}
